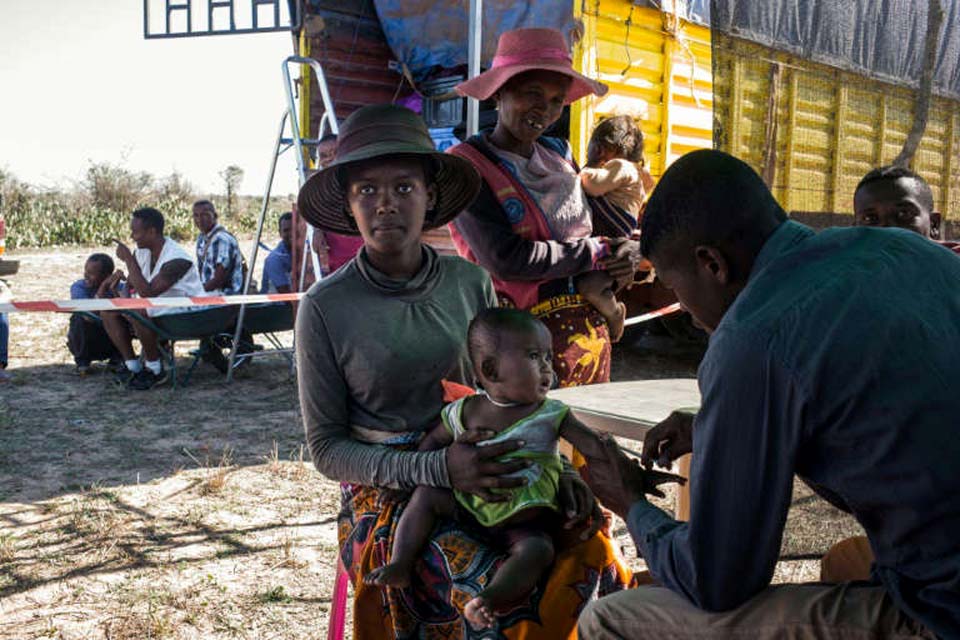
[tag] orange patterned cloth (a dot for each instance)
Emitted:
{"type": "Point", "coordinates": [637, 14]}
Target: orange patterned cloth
{"type": "Point", "coordinates": [581, 340]}
{"type": "Point", "coordinates": [454, 567]}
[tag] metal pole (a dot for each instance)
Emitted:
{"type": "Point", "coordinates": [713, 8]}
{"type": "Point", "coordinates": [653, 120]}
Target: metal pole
{"type": "Point", "coordinates": [256, 246]}
{"type": "Point", "coordinates": [474, 49]}
{"type": "Point", "coordinates": [294, 124]}
{"type": "Point", "coordinates": [298, 143]}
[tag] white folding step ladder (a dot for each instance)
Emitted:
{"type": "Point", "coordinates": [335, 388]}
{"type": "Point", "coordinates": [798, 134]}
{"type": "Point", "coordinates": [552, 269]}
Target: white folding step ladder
{"type": "Point", "coordinates": [298, 143]}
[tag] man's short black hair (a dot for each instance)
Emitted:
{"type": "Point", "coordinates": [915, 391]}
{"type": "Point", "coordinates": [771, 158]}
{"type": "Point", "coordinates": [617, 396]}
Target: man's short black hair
{"type": "Point", "coordinates": [105, 262]}
{"type": "Point", "coordinates": [891, 173]}
{"type": "Point", "coordinates": [328, 137]}
{"type": "Point", "coordinates": [487, 326]}
{"type": "Point", "coordinates": [622, 136]}
{"type": "Point", "coordinates": [709, 197]}
{"type": "Point", "coordinates": [206, 204]}
{"type": "Point", "coordinates": [150, 218]}
{"type": "Point", "coordinates": [286, 216]}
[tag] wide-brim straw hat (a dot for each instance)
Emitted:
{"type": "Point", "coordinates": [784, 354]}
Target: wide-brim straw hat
{"type": "Point", "coordinates": [523, 50]}
{"type": "Point", "coordinates": [378, 131]}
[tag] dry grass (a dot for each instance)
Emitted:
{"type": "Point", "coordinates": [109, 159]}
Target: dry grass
{"type": "Point", "coordinates": [187, 514]}
{"type": "Point", "coordinates": [215, 477]}
{"type": "Point", "coordinates": [295, 468]}
{"type": "Point", "coordinates": [8, 547]}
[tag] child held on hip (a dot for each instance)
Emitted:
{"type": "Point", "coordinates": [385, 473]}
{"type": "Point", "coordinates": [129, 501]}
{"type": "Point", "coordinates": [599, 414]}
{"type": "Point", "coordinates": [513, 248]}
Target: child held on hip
{"type": "Point", "coordinates": [615, 171]}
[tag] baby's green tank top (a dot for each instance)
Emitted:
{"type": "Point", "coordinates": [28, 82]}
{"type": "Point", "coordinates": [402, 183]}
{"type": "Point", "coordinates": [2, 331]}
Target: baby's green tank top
{"type": "Point", "coordinates": [540, 432]}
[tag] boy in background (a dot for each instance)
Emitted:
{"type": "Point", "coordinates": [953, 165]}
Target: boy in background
{"type": "Point", "coordinates": [87, 339]}
{"type": "Point", "coordinates": [897, 197]}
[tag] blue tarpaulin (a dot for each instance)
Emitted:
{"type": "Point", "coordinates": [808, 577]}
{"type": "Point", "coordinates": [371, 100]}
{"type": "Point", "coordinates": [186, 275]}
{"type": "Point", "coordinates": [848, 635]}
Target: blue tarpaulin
{"type": "Point", "coordinates": [425, 34]}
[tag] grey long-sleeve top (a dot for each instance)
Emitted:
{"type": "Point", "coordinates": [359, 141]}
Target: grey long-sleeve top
{"type": "Point", "coordinates": [371, 352]}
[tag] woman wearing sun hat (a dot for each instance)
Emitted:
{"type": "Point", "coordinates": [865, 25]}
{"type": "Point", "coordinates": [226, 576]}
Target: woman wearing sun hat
{"type": "Point", "coordinates": [374, 341]}
{"type": "Point", "coordinates": [532, 226]}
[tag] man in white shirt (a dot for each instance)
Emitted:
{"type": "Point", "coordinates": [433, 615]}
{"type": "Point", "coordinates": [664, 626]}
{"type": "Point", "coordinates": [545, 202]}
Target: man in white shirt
{"type": "Point", "coordinates": [158, 268]}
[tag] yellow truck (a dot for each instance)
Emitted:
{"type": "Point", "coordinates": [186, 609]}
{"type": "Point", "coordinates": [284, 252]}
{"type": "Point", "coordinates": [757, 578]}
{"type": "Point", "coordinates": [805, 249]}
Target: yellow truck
{"type": "Point", "coordinates": [810, 128]}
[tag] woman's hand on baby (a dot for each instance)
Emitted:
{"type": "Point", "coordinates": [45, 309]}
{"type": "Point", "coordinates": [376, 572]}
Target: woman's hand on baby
{"type": "Point", "coordinates": [475, 470]}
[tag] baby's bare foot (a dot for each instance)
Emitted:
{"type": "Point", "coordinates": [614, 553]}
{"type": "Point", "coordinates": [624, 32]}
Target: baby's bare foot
{"type": "Point", "coordinates": [479, 613]}
{"type": "Point", "coordinates": [616, 323]}
{"type": "Point", "coordinates": [389, 575]}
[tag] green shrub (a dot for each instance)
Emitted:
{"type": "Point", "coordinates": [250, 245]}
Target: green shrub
{"type": "Point", "coordinates": [98, 209]}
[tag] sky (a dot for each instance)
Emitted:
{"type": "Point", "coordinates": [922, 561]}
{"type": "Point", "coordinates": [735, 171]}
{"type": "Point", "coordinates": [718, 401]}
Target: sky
{"type": "Point", "coordinates": [79, 83]}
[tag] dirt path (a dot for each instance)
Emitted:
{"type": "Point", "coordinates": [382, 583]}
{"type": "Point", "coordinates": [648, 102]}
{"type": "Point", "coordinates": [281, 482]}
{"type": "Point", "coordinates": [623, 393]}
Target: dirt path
{"type": "Point", "coordinates": [193, 514]}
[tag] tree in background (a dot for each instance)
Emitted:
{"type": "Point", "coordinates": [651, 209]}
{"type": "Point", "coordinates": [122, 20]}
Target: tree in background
{"type": "Point", "coordinates": [115, 187]}
{"type": "Point", "coordinates": [175, 187]}
{"type": "Point", "coordinates": [232, 177]}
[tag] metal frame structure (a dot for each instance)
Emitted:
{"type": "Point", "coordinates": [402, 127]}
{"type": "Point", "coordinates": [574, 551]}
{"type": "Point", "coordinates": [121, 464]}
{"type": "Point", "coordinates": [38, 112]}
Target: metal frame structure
{"type": "Point", "coordinates": [185, 8]}
{"type": "Point", "coordinates": [474, 50]}
{"type": "Point", "coordinates": [298, 143]}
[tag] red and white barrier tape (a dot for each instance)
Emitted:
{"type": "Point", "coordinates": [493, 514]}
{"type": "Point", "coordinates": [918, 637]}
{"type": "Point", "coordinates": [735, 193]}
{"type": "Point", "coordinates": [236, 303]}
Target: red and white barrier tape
{"type": "Point", "coordinates": [659, 313]}
{"type": "Point", "coordinates": [115, 304]}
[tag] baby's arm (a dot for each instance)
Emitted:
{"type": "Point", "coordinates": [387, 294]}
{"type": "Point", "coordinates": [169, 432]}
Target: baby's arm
{"type": "Point", "coordinates": [583, 438]}
{"type": "Point", "coordinates": [589, 443]}
{"type": "Point", "coordinates": [616, 173]}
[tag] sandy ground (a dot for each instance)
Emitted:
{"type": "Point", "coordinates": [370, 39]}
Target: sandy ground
{"type": "Point", "coordinates": [195, 513]}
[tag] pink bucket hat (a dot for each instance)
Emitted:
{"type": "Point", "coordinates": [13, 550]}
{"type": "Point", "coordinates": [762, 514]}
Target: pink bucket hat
{"type": "Point", "coordinates": [527, 50]}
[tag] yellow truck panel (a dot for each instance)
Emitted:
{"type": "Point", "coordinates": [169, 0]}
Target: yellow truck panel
{"type": "Point", "coordinates": [810, 129]}
{"type": "Point", "coordinates": [813, 131]}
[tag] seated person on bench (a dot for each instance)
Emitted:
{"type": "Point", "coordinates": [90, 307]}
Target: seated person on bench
{"type": "Point", "coordinates": [277, 266]}
{"type": "Point", "coordinates": [158, 268]}
{"type": "Point", "coordinates": [218, 253]}
{"type": "Point", "coordinates": [87, 339]}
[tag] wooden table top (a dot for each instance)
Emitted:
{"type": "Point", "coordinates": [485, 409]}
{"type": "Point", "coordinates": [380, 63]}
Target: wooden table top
{"type": "Point", "coordinates": [629, 409]}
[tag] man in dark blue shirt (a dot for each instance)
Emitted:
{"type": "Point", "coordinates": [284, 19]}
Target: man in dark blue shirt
{"type": "Point", "coordinates": [276, 268]}
{"type": "Point", "coordinates": [833, 356]}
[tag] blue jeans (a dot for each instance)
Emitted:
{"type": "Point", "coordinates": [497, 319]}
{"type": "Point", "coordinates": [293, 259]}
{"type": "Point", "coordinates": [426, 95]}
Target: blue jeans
{"type": "Point", "coordinates": [4, 339]}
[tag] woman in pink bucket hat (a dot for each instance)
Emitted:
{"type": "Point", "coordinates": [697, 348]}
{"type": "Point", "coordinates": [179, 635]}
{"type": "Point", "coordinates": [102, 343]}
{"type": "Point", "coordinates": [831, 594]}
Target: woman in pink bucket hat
{"type": "Point", "coordinates": [523, 50]}
{"type": "Point", "coordinates": [537, 233]}
{"type": "Point", "coordinates": [532, 226]}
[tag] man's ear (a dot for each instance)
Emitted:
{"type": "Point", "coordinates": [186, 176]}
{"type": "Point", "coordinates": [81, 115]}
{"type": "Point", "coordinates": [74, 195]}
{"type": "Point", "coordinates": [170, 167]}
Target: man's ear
{"type": "Point", "coordinates": [431, 196]}
{"type": "Point", "coordinates": [935, 221]}
{"type": "Point", "coordinates": [712, 264]}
